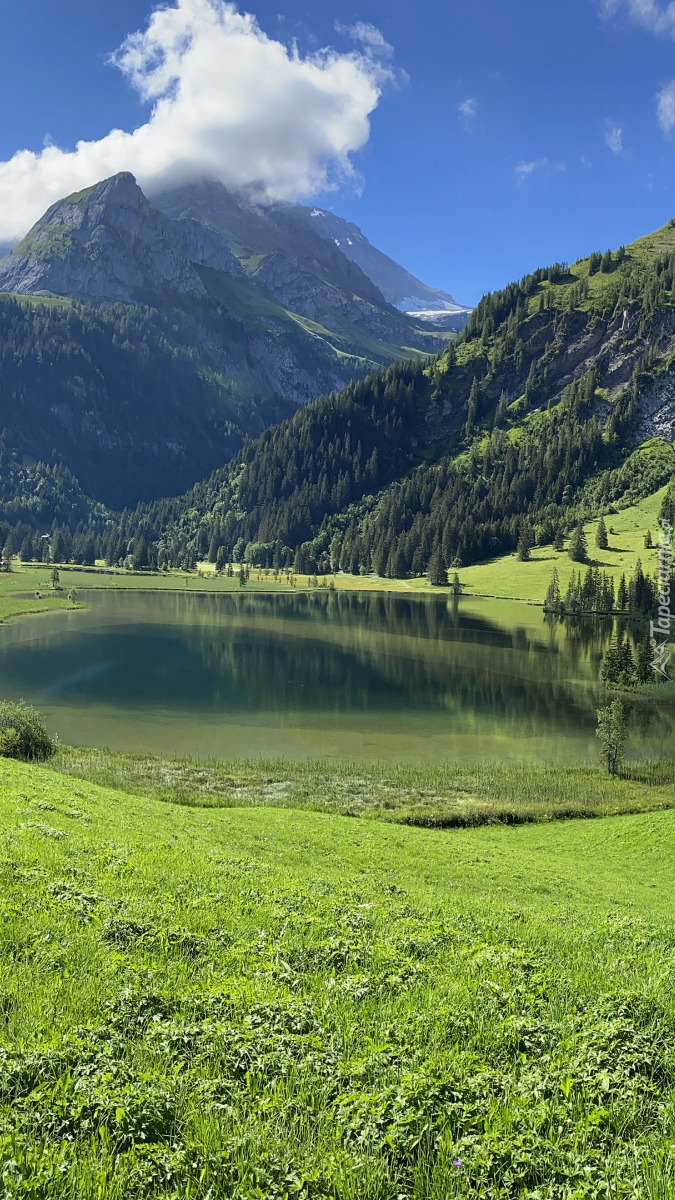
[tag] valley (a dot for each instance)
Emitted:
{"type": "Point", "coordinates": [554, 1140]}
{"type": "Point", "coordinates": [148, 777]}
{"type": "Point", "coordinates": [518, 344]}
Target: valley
{"type": "Point", "coordinates": [324, 890]}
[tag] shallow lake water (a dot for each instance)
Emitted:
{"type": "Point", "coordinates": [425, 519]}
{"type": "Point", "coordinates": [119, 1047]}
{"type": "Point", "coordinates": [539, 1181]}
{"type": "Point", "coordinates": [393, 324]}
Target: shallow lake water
{"type": "Point", "coordinates": [362, 675]}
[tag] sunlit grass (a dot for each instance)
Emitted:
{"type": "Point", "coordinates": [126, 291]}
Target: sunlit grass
{"type": "Point", "coordinates": [253, 1003]}
{"type": "Point", "coordinates": [454, 794]}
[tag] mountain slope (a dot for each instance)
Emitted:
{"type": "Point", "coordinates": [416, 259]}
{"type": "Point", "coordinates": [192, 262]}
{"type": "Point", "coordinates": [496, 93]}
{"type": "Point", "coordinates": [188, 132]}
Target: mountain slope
{"type": "Point", "coordinates": [144, 353]}
{"type": "Point", "coordinates": [526, 424]}
{"type": "Point", "coordinates": [398, 286]}
{"type": "Point", "coordinates": [290, 261]}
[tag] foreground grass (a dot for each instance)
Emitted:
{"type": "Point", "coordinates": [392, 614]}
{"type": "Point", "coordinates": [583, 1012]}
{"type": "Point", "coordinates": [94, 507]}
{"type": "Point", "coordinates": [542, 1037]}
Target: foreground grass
{"type": "Point", "coordinates": [258, 1003]}
{"type": "Point", "coordinates": [438, 796]}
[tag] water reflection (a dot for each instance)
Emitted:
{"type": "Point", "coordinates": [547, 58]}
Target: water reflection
{"type": "Point", "coordinates": [321, 672]}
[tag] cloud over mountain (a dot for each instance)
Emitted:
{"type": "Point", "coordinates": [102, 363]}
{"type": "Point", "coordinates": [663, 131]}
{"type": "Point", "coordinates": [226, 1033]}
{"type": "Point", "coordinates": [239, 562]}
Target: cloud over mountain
{"type": "Point", "coordinates": [228, 103]}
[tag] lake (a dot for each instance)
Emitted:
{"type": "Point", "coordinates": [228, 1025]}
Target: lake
{"type": "Point", "coordinates": [362, 675]}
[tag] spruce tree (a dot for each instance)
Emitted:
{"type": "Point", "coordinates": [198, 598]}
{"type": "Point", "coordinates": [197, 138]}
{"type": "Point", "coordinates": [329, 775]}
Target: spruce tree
{"type": "Point", "coordinates": [578, 547]}
{"type": "Point", "coordinates": [471, 408]}
{"type": "Point", "coordinates": [643, 662]}
{"type": "Point", "coordinates": [601, 535]}
{"type": "Point", "coordinates": [627, 664]}
{"type": "Point", "coordinates": [553, 601]}
{"type": "Point", "coordinates": [437, 573]}
{"type": "Point", "coordinates": [611, 663]}
{"type": "Point", "coordinates": [524, 545]}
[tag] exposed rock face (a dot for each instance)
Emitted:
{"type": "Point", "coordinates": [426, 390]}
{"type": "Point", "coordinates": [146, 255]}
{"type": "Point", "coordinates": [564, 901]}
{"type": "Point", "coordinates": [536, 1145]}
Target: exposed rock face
{"type": "Point", "coordinates": [398, 286]}
{"type": "Point", "coordinates": [657, 411]}
{"type": "Point", "coordinates": [287, 258]}
{"type": "Point", "coordinates": [104, 244]}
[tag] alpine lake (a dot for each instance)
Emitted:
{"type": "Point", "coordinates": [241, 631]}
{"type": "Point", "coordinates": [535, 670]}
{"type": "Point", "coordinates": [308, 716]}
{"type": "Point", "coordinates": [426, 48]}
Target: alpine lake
{"type": "Point", "coordinates": [358, 675]}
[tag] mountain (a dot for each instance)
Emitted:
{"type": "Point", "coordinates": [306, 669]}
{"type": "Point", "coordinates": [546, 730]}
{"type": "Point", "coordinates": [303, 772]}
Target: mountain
{"type": "Point", "coordinates": [555, 403]}
{"type": "Point", "coordinates": [139, 349]}
{"type": "Point", "coordinates": [397, 285]}
{"type": "Point", "coordinates": [282, 252]}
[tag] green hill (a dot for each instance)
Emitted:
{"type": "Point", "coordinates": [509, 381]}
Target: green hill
{"type": "Point", "coordinates": [530, 421]}
{"type": "Point", "coordinates": [251, 1002]}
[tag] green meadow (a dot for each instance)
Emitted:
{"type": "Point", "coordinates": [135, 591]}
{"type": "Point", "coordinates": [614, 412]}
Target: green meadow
{"type": "Point", "coordinates": [257, 1002]}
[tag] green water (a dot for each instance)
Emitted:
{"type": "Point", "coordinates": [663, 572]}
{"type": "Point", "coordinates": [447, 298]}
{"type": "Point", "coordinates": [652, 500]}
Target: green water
{"type": "Point", "coordinates": [363, 675]}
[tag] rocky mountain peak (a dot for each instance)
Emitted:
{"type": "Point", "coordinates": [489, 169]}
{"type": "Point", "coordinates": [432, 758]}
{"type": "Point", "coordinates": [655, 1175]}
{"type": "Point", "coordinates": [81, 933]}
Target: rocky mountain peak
{"type": "Point", "coordinates": [105, 243]}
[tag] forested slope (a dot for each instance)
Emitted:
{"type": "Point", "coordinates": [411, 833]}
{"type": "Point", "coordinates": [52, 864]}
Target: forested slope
{"type": "Point", "coordinates": [532, 420]}
{"type": "Point", "coordinates": [527, 423]}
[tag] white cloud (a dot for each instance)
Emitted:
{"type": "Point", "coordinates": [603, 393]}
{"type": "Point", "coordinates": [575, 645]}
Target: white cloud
{"type": "Point", "coordinates": [467, 111]}
{"type": "Point", "coordinates": [613, 137]}
{"type": "Point", "coordinates": [229, 103]}
{"type": "Point", "coordinates": [665, 107]}
{"type": "Point", "coordinates": [524, 168]}
{"type": "Point", "coordinates": [655, 17]}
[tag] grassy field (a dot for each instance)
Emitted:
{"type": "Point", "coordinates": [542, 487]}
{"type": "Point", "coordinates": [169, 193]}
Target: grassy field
{"type": "Point", "coordinates": [456, 794]}
{"type": "Point", "coordinates": [529, 580]}
{"type": "Point", "coordinates": [260, 1003]}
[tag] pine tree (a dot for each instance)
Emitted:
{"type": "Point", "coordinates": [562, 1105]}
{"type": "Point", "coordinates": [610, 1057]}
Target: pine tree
{"type": "Point", "coordinates": [643, 662]}
{"type": "Point", "coordinates": [622, 594]}
{"type": "Point", "coordinates": [601, 535]}
{"type": "Point", "coordinates": [471, 408]}
{"type": "Point", "coordinates": [436, 570]}
{"type": "Point", "coordinates": [611, 663]}
{"type": "Point", "coordinates": [626, 664]}
{"type": "Point", "coordinates": [524, 545]}
{"type": "Point", "coordinates": [553, 601]}
{"type": "Point", "coordinates": [578, 547]}
{"type": "Point", "coordinates": [648, 540]}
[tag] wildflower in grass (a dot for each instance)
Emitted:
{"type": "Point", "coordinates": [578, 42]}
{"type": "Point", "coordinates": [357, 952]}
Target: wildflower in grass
{"type": "Point", "coordinates": [456, 1162]}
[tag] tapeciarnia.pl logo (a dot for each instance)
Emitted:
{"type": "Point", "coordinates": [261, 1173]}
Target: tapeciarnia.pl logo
{"type": "Point", "coordinates": [659, 630]}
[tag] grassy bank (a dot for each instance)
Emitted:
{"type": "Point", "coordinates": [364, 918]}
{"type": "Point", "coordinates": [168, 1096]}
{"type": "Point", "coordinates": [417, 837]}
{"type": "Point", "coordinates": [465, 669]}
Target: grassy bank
{"type": "Point", "coordinates": [456, 794]}
{"type": "Point", "coordinates": [257, 1003]}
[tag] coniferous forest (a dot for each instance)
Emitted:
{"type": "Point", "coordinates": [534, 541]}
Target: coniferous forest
{"type": "Point", "coordinates": [529, 422]}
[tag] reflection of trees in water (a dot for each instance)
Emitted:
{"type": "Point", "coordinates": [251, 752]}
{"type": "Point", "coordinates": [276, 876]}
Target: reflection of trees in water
{"type": "Point", "coordinates": [652, 723]}
{"type": "Point", "coordinates": [340, 652]}
{"type": "Point", "coordinates": [351, 668]}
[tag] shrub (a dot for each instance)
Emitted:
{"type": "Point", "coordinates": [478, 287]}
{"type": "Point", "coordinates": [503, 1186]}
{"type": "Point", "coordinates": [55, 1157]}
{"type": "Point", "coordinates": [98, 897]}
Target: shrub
{"type": "Point", "coordinates": [23, 733]}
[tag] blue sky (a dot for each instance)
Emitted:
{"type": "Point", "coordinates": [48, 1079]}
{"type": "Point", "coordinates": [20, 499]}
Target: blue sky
{"type": "Point", "coordinates": [560, 148]}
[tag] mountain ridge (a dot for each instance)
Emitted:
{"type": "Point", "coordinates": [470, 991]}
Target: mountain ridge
{"type": "Point", "coordinates": [144, 338]}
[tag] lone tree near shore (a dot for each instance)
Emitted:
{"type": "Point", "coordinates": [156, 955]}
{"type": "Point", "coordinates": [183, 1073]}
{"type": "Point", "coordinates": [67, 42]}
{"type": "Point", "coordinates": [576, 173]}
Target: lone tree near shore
{"type": "Point", "coordinates": [437, 572]}
{"type": "Point", "coordinates": [612, 732]}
